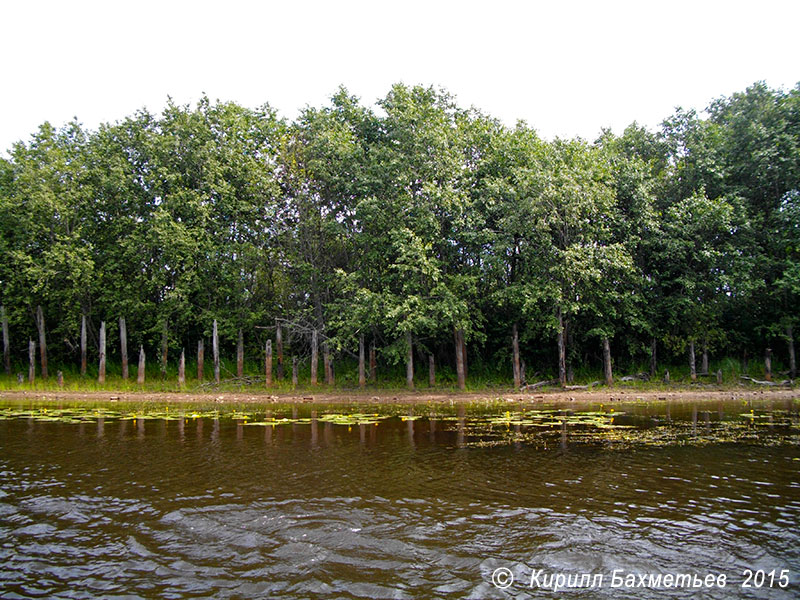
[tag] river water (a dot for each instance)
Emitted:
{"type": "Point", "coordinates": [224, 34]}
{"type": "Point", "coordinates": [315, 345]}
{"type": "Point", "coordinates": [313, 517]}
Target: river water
{"type": "Point", "coordinates": [420, 502]}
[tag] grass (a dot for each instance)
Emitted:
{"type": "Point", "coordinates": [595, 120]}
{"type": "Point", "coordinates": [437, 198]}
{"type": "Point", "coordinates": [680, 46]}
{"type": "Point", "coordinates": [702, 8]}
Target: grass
{"type": "Point", "coordinates": [390, 379]}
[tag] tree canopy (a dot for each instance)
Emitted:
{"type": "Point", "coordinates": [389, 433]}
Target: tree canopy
{"type": "Point", "coordinates": [408, 221]}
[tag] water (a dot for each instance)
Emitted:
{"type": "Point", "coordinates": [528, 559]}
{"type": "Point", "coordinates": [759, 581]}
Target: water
{"type": "Point", "coordinates": [99, 505]}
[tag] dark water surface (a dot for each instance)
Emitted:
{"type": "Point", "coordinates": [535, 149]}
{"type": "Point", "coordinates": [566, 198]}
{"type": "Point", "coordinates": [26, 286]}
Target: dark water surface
{"type": "Point", "coordinates": [108, 504]}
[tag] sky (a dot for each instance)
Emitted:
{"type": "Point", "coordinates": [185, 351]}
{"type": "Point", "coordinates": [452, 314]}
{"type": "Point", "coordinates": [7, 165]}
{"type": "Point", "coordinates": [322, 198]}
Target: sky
{"type": "Point", "coordinates": [568, 68]}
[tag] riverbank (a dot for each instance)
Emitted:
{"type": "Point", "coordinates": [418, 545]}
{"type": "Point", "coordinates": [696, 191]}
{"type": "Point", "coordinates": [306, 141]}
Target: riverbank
{"type": "Point", "coordinates": [372, 397]}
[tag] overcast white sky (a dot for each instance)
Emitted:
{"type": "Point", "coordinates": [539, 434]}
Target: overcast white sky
{"type": "Point", "coordinates": [566, 67]}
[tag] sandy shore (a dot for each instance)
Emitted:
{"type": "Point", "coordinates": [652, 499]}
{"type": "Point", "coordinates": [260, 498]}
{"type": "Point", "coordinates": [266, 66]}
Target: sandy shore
{"type": "Point", "coordinates": [420, 397]}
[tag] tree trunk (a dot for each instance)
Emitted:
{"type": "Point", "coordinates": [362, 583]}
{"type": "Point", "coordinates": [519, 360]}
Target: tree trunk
{"type": "Point", "coordinates": [279, 349]}
{"type": "Point", "coordinates": [515, 356]}
{"type": "Point", "coordinates": [201, 355]}
{"type": "Point", "coordinates": [362, 375]}
{"type": "Point", "coordinates": [609, 377]}
{"type": "Point", "coordinates": [31, 361]}
{"type": "Point", "coordinates": [704, 359]}
{"type": "Point", "coordinates": [6, 343]}
{"type": "Point", "coordinates": [140, 370]}
{"type": "Point", "coordinates": [42, 340]}
{"type": "Point", "coordinates": [182, 369]}
{"type": "Point", "coordinates": [692, 368]}
{"type": "Point", "coordinates": [123, 346]}
{"type": "Point", "coordinates": [460, 370]}
{"type": "Point", "coordinates": [409, 361]}
{"type": "Point", "coordinates": [240, 355]}
{"type": "Point", "coordinates": [314, 357]}
{"type": "Point", "coordinates": [294, 371]}
{"type": "Point", "coordinates": [373, 363]}
{"type": "Point", "coordinates": [83, 345]}
{"type": "Point", "coordinates": [215, 350]}
{"type": "Point", "coordinates": [431, 371]}
{"type": "Point", "coordinates": [562, 351]}
{"type": "Point", "coordinates": [790, 341]}
{"type": "Point", "coordinates": [164, 346]}
{"type": "Point", "coordinates": [268, 363]}
{"type": "Point", "coordinates": [768, 364]}
{"type": "Point", "coordinates": [101, 372]}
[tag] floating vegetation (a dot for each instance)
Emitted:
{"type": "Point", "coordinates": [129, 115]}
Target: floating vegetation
{"type": "Point", "coordinates": [619, 427]}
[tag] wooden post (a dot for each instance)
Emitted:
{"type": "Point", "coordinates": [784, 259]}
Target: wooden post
{"type": "Point", "coordinates": [268, 363]}
{"type": "Point", "coordinates": [692, 368]}
{"type": "Point", "coordinates": [215, 349]}
{"type": "Point", "coordinates": [123, 346]}
{"type": "Point", "coordinates": [279, 349]}
{"type": "Point", "coordinates": [362, 375]}
{"type": "Point", "coordinates": [164, 347]}
{"type": "Point", "coordinates": [515, 356]}
{"type": "Point", "coordinates": [409, 361]}
{"type": "Point", "coordinates": [31, 361]}
{"type": "Point", "coordinates": [201, 351]}
{"type": "Point", "coordinates": [768, 364]}
{"type": "Point", "coordinates": [653, 356]}
{"type": "Point", "coordinates": [326, 362]}
{"type": "Point", "coordinates": [431, 371]}
{"type": "Point", "coordinates": [6, 343]}
{"type": "Point", "coordinates": [182, 369]}
{"type": "Point", "coordinates": [704, 358]}
{"type": "Point", "coordinates": [83, 345]}
{"type": "Point", "coordinates": [607, 362]}
{"type": "Point", "coordinates": [789, 340]}
{"type": "Point", "coordinates": [562, 351]}
{"type": "Point", "coordinates": [60, 379]}
{"type": "Point", "coordinates": [42, 340]}
{"type": "Point", "coordinates": [294, 371]}
{"type": "Point", "coordinates": [101, 373]}
{"type": "Point", "coordinates": [240, 355]}
{"type": "Point", "coordinates": [140, 372]}
{"type": "Point", "coordinates": [373, 363]}
{"type": "Point", "coordinates": [460, 372]}
{"type": "Point", "coordinates": [314, 357]}
{"type": "Point", "coordinates": [464, 354]}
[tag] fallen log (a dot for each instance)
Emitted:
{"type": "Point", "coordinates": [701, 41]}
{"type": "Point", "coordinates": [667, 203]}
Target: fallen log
{"type": "Point", "coordinates": [538, 384]}
{"type": "Point", "coordinates": [581, 387]}
{"type": "Point", "coordinates": [757, 381]}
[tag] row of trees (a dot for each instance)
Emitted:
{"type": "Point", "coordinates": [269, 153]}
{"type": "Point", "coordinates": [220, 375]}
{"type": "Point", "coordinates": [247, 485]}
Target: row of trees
{"type": "Point", "coordinates": [422, 227]}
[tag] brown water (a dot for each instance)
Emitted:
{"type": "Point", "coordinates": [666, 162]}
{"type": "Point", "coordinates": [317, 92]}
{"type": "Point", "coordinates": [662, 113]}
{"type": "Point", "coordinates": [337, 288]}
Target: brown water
{"type": "Point", "coordinates": [104, 506]}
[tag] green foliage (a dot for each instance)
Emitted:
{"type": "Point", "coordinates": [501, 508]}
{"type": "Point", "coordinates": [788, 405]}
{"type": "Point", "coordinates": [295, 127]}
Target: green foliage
{"type": "Point", "coordinates": [418, 218]}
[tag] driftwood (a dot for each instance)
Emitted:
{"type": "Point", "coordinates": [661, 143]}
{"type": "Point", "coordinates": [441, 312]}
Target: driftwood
{"type": "Point", "coordinates": [538, 384]}
{"type": "Point", "coordinates": [640, 376]}
{"type": "Point", "coordinates": [581, 387]}
{"type": "Point", "coordinates": [786, 382]}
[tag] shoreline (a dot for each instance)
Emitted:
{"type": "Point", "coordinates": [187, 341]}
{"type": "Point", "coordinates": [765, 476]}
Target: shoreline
{"type": "Point", "coordinates": [406, 397]}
